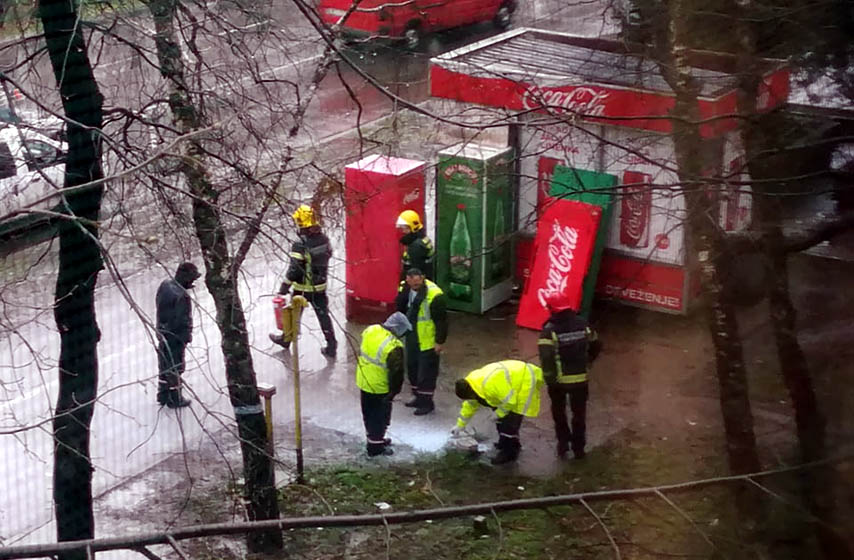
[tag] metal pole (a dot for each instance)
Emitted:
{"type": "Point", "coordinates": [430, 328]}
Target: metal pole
{"type": "Point", "coordinates": [267, 391]}
{"type": "Point", "coordinates": [298, 302]}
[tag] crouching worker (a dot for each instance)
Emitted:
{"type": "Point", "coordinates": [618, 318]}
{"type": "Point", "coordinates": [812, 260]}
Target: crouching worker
{"type": "Point", "coordinates": [379, 376]}
{"type": "Point", "coordinates": [512, 389]}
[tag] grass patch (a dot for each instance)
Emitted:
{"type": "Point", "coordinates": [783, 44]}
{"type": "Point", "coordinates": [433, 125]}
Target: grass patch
{"type": "Point", "coordinates": [643, 528]}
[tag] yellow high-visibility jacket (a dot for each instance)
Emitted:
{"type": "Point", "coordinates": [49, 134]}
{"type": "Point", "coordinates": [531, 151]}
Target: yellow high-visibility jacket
{"type": "Point", "coordinates": [374, 373]}
{"type": "Point", "coordinates": [507, 386]}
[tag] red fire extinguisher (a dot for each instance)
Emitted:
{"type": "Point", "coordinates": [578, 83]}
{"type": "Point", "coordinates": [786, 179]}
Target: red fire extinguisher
{"type": "Point", "coordinates": [279, 302]}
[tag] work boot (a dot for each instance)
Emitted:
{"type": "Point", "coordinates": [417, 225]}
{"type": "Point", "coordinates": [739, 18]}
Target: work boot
{"type": "Point", "coordinates": [278, 339]}
{"type": "Point", "coordinates": [385, 451]}
{"type": "Point", "coordinates": [579, 454]}
{"type": "Point", "coordinates": [180, 402]}
{"type": "Point", "coordinates": [330, 350]}
{"type": "Point", "coordinates": [162, 398]}
{"type": "Point", "coordinates": [412, 403]}
{"type": "Point", "coordinates": [387, 441]}
{"type": "Point", "coordinates": [503, 457]}
{"type": "Point", "coordinates": [562, 449]}
{"type": "Point", "coordinates": [425, 407]}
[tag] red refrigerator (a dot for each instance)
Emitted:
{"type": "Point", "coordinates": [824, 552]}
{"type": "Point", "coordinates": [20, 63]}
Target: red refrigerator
{"type": "Point", "coordinates": [377, 189]}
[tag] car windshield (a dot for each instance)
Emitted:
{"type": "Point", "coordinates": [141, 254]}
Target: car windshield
{"type": "Point", "coordinates": [6, 115]}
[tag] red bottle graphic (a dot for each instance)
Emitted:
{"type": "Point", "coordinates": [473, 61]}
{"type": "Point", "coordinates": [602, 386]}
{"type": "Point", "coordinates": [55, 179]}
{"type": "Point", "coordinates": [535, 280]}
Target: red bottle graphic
{"type": "Point", "coordinates": [635, 209]}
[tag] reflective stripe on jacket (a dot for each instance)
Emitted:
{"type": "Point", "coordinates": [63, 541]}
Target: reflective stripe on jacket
{"type": "Point", "coordinates": [426, 328]}
{"type": "Point", "coordinates": [566, 345]}
{"type": "Point", "coordinates": [309, 265]}
{"type": "Point", "coordinates": [556, 340]}
{"type": "Point", "coordinates": [372, 367]}
{"type": "Point", "coordinates": [308, 286]}
{"type": "Point", "coordinates": [507, 386]}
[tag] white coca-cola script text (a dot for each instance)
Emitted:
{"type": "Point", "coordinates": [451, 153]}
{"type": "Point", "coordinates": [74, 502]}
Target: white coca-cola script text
{"type": "Point", "coordinates": [560, 249]}
{"type": "Point", "coordinates": [585, 101]}
{"type": "Point", "coordinates": [411, 197]}
{"type": "Point", "coordinates": [635, 222]}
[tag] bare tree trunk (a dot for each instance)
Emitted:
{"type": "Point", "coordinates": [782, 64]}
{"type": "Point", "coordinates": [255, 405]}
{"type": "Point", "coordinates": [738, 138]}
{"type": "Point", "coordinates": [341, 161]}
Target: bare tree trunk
{"type": "Point", "coordinates": [79, 264]}
{"type": "Point", "coordinates": [221, 281]}
{"type": "Point", "coordinates": [709, 245]}
{"type": "Point", "coordinates": [816, 486]}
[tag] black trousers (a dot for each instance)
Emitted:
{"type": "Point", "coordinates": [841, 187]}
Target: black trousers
{"type": "Point", "coordinates": [508, 433]}
{"type": "Point", "coordinates": [422, 368]}
{"type": "Point", "coordinates": [320, 303]}
{"type": "Point", "coordinates": [170, 364]}
{"type": "Point", "coordinates": [577, 396]}
{"type": "Point", "coordinates": [376, 414]}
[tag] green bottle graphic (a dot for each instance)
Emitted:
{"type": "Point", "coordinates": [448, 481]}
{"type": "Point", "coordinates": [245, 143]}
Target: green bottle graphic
{"type": "Point", "coordinates": [499, 241]}
{"type": "Point", "coordinates": [460, 257]}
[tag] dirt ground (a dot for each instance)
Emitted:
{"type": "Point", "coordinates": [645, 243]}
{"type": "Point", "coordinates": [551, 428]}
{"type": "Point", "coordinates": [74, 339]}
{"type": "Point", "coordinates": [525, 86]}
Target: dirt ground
{"type": "Point", "coordinates": [654, 418]}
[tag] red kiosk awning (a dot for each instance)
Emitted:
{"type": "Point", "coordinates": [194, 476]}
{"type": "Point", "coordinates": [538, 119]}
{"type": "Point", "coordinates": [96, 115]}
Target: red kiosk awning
{"type": "Point", "coordinates": [597, 79]}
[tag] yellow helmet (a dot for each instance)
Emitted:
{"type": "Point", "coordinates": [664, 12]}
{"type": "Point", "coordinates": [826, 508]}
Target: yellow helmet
{"type": "Point", "coordinates": [304, 216]}
{"type": "Point", "coordinates": [411, 219]}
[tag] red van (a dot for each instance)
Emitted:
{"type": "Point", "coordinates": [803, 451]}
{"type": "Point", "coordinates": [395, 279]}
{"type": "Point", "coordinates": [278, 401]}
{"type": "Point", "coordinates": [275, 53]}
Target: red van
{"type": "Point", "coordinates": [410, 20]}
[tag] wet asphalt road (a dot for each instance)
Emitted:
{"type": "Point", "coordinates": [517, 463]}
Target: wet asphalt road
{"type": "Point", "coordinates": [130, 433]}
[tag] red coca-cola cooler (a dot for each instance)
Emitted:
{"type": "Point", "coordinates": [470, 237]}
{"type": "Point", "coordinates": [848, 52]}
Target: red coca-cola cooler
{"type": "Point", "coordinates": [377, 189]}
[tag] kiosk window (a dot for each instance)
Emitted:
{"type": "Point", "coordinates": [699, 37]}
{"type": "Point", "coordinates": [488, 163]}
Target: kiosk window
{"type": "Point", "coordinates": [39, 154]}
{"type": "Point", "coordinates": [7, 162]}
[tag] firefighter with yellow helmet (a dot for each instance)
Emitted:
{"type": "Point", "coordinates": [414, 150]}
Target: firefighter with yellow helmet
{"type": "Point", "coordinates": [418, 249]}
{"type": "Point", "coordinates": [310, 255]}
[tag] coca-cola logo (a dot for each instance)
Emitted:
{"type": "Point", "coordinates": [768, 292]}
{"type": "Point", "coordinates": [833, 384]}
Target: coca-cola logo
{"type": "Point", "coordinates": [559, 141]}
{"type": "Point", "coordinates": [635, 159]}
{"type": "Point", "coordinates": [460, 168]}
{"type": "Point", "coordinates": [586, 101]}
{"type": "Point", "coordinates": [561, 249]}
{"type": "Point", "coordinates": [410, 197]}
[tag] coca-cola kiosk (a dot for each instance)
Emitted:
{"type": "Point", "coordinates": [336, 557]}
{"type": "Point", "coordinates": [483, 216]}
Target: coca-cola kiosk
{"type": "Point", "coordinates": [587, 106]}
{"type": "Point", "coordinates": [377, 189]}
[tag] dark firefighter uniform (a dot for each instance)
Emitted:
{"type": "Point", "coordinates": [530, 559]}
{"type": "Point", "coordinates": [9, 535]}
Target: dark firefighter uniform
{"type": "Point", "coordinates": [307, 272]}
{"type": "Point", "coordinates": [426, 309]}
{"type": "Point", "coordinates": [379, 376]}
{"type": "Point", "coordinates": [566, 345]}
{"type": "Point", "coordinates": [512, 389]}
{"type": "Point", "coordinates": [418, 253]}
{"type": "Point", "coordinates": [418, 250]}
{"type": "Point", "coordinates": [175, 331]}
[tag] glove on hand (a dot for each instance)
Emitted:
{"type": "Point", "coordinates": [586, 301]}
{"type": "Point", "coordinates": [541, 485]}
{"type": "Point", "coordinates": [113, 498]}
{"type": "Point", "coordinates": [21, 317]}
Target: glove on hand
{"type": "Point", "coordinates": [457, 432]}
{"type": "Point", "coordinates": [284, 288]}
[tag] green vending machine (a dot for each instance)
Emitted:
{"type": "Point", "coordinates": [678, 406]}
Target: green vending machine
{"type": "Point", "coordinates": [593, 188]}
{"type": "Point", "coordinates": [474, 221]}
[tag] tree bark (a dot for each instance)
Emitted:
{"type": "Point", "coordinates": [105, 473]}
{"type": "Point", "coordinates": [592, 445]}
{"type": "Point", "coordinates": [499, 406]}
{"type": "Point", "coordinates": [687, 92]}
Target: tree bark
{"type": "Point", "coordinates": [79, 263]}
{"type": "Point", "coordinates": [708, 243]}
{"type": "Point", "coordinates": [221, 282]}
{"type": "Point", "coordinates": [809, 421]}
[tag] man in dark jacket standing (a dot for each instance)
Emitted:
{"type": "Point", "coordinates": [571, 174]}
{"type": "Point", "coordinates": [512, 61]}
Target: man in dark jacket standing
{"type": "Point", "coordinates": [423, 303]}
{"type": "Point", "coordinates": [567, 345]}
{"type": "Point", "coordinates": [307, 273]}
{"type": "Point", "coordinates": [418, 250]}
{"type": "Point", "coordinates": [379, 376]}
{"type": "Point", "coordinates": [175, 331]}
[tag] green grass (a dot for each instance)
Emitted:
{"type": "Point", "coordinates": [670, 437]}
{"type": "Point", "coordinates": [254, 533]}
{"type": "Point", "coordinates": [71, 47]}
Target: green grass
{"type": "Point", "coordinates": [643, 528]}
